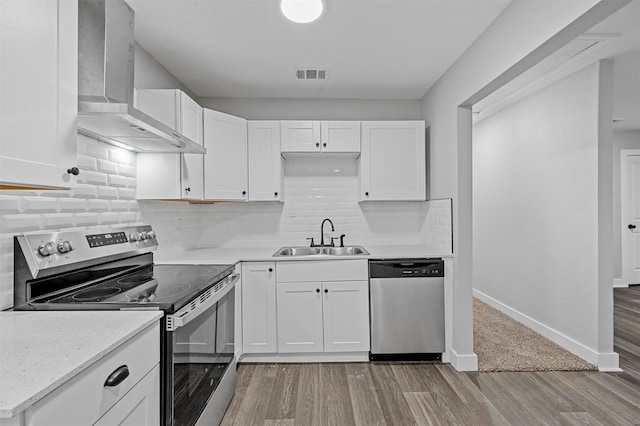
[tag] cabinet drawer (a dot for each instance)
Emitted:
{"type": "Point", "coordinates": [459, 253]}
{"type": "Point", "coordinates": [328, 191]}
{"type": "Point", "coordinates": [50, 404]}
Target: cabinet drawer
{"type": "Point", "coordinates": [84, 399]}
{"type": "Point", "coordinates": [322, 270]}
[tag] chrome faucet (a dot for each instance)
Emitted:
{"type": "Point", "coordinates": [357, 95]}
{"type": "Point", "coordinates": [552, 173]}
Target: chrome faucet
{"type": "Point", "coordinates": [322, 232]}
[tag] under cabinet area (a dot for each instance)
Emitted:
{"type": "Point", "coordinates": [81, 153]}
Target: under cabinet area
{"type": "Point", "coordinates": [164, 175]}
{"type": "Point", "coordinates": [393, 161]}
{"type": "Point", "coordinates": [320, 136]}
{"type": "Point", "coordinates": [39, 83]}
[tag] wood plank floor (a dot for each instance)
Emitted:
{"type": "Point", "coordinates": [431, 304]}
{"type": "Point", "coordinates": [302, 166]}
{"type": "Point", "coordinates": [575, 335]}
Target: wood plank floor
{"type": "Point", "coordinates": [423, 394]}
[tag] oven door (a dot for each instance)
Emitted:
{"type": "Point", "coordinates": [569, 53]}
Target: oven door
{"type": "Point", "coordinates": [200, 353]}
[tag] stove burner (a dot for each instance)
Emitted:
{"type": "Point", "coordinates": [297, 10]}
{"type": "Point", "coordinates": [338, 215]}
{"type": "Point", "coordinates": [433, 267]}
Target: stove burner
{"type": "Point", "coordinates": [92, 294]}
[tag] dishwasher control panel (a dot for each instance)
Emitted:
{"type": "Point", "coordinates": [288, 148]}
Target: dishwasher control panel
{"type": "Point", "coordinates": [408, 268]}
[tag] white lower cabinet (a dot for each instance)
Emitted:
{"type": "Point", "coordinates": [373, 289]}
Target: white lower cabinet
{"type": "Point", "coordinates": [323, 316]}
{"type": "Point", "coordinates": [86, 400]}
{"type": "Point", "coordinates": [259, 307]}
{"type": "Point", "coordinates": [322, 306]}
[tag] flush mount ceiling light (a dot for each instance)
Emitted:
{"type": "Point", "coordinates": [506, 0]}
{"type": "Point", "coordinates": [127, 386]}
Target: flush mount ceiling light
{"type": "Point", "coordinates": [302, 11]}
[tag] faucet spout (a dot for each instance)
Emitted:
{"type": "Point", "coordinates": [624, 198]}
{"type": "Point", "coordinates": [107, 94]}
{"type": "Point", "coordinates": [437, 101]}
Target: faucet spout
{"type": "Point", "coordinates": [322, 231]}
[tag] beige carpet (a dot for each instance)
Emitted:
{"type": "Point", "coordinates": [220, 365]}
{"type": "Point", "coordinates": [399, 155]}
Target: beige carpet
{"type": "Point", "coordinates": [503, 344]}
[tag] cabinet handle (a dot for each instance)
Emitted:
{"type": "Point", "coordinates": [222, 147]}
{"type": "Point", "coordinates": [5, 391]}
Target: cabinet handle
{"type": "Point", "coordinates": [317, 290]}
{"type": "Point", "coordinates": [270, 269]}
{"type": "Point", "coordinates": [326, 291]}
{"type": "Point", "coordinates": [117, 376]}
{"type": "Point", "coordinates": [73, 171]}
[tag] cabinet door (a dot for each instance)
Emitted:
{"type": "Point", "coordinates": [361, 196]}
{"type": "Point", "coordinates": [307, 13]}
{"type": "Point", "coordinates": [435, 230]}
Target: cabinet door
{"type": "Point", "coordinates": [38, 84]}
{"type": "Point", "coordinates": [225, 164]}
{"type": "Point", "coordinates": [139, 407]}
{"type": "Point", "coordinates": [191, 124]}
{"type": "Point", "coordinates": [340, 136]}
{"type": "Point", "coordinates": [259, 307]}
{"type": "Point", "coordinates": [300, 136]}
{"type": "Point", "coordinates": [158, 176]}
{"type": "Point", "coordinates": [192, 176]}
{"type": "Point", "coordinates": [299, 317]}
{"type": "Point", "coordinates": [393, 163]}
{"type": "Point", "coordinates": [265, 161]}
{"type": "Point", "coordinates": [346, 316]}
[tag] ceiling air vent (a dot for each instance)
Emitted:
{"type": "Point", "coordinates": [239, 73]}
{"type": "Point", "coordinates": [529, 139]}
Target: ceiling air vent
{"type": "Point", "coordinates": [311, 74]}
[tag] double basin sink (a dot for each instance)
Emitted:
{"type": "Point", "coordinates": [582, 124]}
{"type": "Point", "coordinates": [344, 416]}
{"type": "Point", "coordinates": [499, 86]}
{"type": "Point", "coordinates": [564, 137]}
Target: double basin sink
{"type": "Point", "coordinates": [316, 251]}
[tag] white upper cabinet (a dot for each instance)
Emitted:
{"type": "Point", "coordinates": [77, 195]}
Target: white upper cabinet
{"type": "Point", "coordinates": [265, 161]}
{"type": "Point", "coordinates": [393, 162]}
{"type": "Point", "coordinates": [320, 136]}
{"type": "Point", "coordinates": [38, 93]}
{"type": "Point", "coordinates": [225, 164]}
{"type": "Point", "coordinates": [171, 176]}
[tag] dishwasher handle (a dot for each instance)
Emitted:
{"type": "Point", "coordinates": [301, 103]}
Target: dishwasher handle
{"type": "Point", "coordinates": [406, 268]}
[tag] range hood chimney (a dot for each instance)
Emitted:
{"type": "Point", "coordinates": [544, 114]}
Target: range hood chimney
{"type": "Point", "coordinates": [106, 51]}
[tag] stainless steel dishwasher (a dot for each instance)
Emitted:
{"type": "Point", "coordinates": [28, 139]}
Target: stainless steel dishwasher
{"type": "Point", "coordinates": [407, 309]}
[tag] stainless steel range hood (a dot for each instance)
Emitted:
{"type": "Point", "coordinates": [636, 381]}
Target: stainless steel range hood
{"type": "Point", "coordinates": [106, 50]}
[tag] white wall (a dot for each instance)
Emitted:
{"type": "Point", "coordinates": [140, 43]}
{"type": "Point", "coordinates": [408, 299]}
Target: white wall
{"type": "Point", "coordinates": [521, 36]}
{"type": "Point", "coordinates": [621, 140]}
{"type": "Point", "coordinates": [535, 198]}
{"type": "Point", "coordinates": [150, 74]}
{"type": "Point", "coordinates": [315, 109]}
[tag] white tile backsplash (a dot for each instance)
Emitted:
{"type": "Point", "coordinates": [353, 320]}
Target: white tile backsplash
{"type": "Point", "coordinates": [314, 188]}
{"type": "Point", "coordinates": [97, 200]}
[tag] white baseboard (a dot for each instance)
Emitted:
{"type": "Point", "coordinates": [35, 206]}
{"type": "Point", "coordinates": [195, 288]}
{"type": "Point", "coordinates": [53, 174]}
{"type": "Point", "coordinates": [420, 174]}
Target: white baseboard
{"type": "Point", "coordinates": [619, 283]}
{"type": "Point", "coordinates": [601, 360]}
{"type": "Point", "coordinates": [464, 362]}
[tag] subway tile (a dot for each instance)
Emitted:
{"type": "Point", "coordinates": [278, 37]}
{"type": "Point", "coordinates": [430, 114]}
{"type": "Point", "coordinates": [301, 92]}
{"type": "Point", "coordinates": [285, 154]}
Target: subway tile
{"type": "Point", "coordinates": [119, 205]}
{"type": "Point", "coordinates": [127, 193]}
{"type": "Point", "coordinates": [20, 222]}
{"type": "Point", "coordinates": [39, 204]}
{"type": "Point", "coordinates": [10, 204]}
{"type": "Point", "coordinates": [128, 217]}
{"type": "Point", "coordinates": [95, 178]}
{"type": "Point", "coordinates": [122, 156]}
{"type": "Point", "coordinates": [118, 181]}
{"type": "Point", "coordinates": [95, 150]}
{"type": "Point", "coordinates": [83, 191]}
{"type": "Point", "coordinates": [109, 218]}
{"type": "Point", "coordinates": [85, 219]}
{"type": "Point", "coordinates": [98, 205]}
{"type": "Point", "coordinates": [127, 170]}
{"type": "Point", "coordinates": [107, 166]}
{"type": "Point", "coordinates": [73, 205]}
{"type": "Point", "coordinates": [87, 163]}
{"type": "Point", "coordinates": [107, 192]}
{"type": "Point", "coordinates": [57, 220]}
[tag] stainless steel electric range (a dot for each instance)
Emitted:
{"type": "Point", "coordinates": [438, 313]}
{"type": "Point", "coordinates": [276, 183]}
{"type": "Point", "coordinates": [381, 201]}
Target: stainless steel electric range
{"type": "Point", "coordinates": [113, 269]}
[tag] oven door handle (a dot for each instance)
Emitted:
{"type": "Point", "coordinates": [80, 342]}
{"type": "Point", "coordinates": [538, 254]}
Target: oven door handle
{"type": "Point", "coordinates": [203, 302]}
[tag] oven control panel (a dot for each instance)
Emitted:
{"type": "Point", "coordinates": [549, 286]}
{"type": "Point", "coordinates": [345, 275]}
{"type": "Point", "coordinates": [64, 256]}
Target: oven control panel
{"type": "Point", "coordinates": [47, 250]}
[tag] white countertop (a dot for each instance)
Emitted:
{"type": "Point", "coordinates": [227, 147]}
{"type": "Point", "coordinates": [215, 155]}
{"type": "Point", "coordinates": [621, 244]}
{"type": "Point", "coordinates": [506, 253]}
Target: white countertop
{"type": "Point", "coordinates": [234, 255]}
{"type": "Point", "coordinates": [39, 351]}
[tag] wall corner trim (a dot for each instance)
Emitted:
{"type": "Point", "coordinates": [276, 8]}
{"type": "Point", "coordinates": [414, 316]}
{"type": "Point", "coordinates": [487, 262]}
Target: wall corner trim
{"type": "Point", "coordinates": [608, 362]}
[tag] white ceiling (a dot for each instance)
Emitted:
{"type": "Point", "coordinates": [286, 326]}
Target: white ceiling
{"type": "Point", "coordinates": [373, 49]}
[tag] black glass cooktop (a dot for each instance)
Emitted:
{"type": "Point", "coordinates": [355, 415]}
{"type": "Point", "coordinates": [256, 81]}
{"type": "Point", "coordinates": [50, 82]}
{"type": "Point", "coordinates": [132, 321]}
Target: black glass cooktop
{"type": "Point", "coordinates": [166, 287]}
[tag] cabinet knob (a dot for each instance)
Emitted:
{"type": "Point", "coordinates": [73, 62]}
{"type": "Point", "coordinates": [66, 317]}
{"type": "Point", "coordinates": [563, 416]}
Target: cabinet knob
{"type": "Point", "coordinates": [631, 226]}
{"type": "Point", "coordinates": [324, 145]}
{"type": "Point", "coordinates": [317, 290]}
{"type": "Point", "coordinates": [275, 194]}
{"type": "Point", "coordinates": [73, 171]}
{"type": "Point", "coordinates": [270, 269]}
{"type": "Point", "coordinates": [366, 194]}
{"type": "Point", "coordinates": [188, 189]}
{"type": "Point", "coordinates": [244, 192]}
{"type": "Point", "coordinates": [317, 144]}
{"type": "Point", "coordinates": [326, 291]}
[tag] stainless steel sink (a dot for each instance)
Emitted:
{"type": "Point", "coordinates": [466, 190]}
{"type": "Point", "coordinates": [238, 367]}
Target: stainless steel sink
{"type": "Point", "coordinates": [326, 251]}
